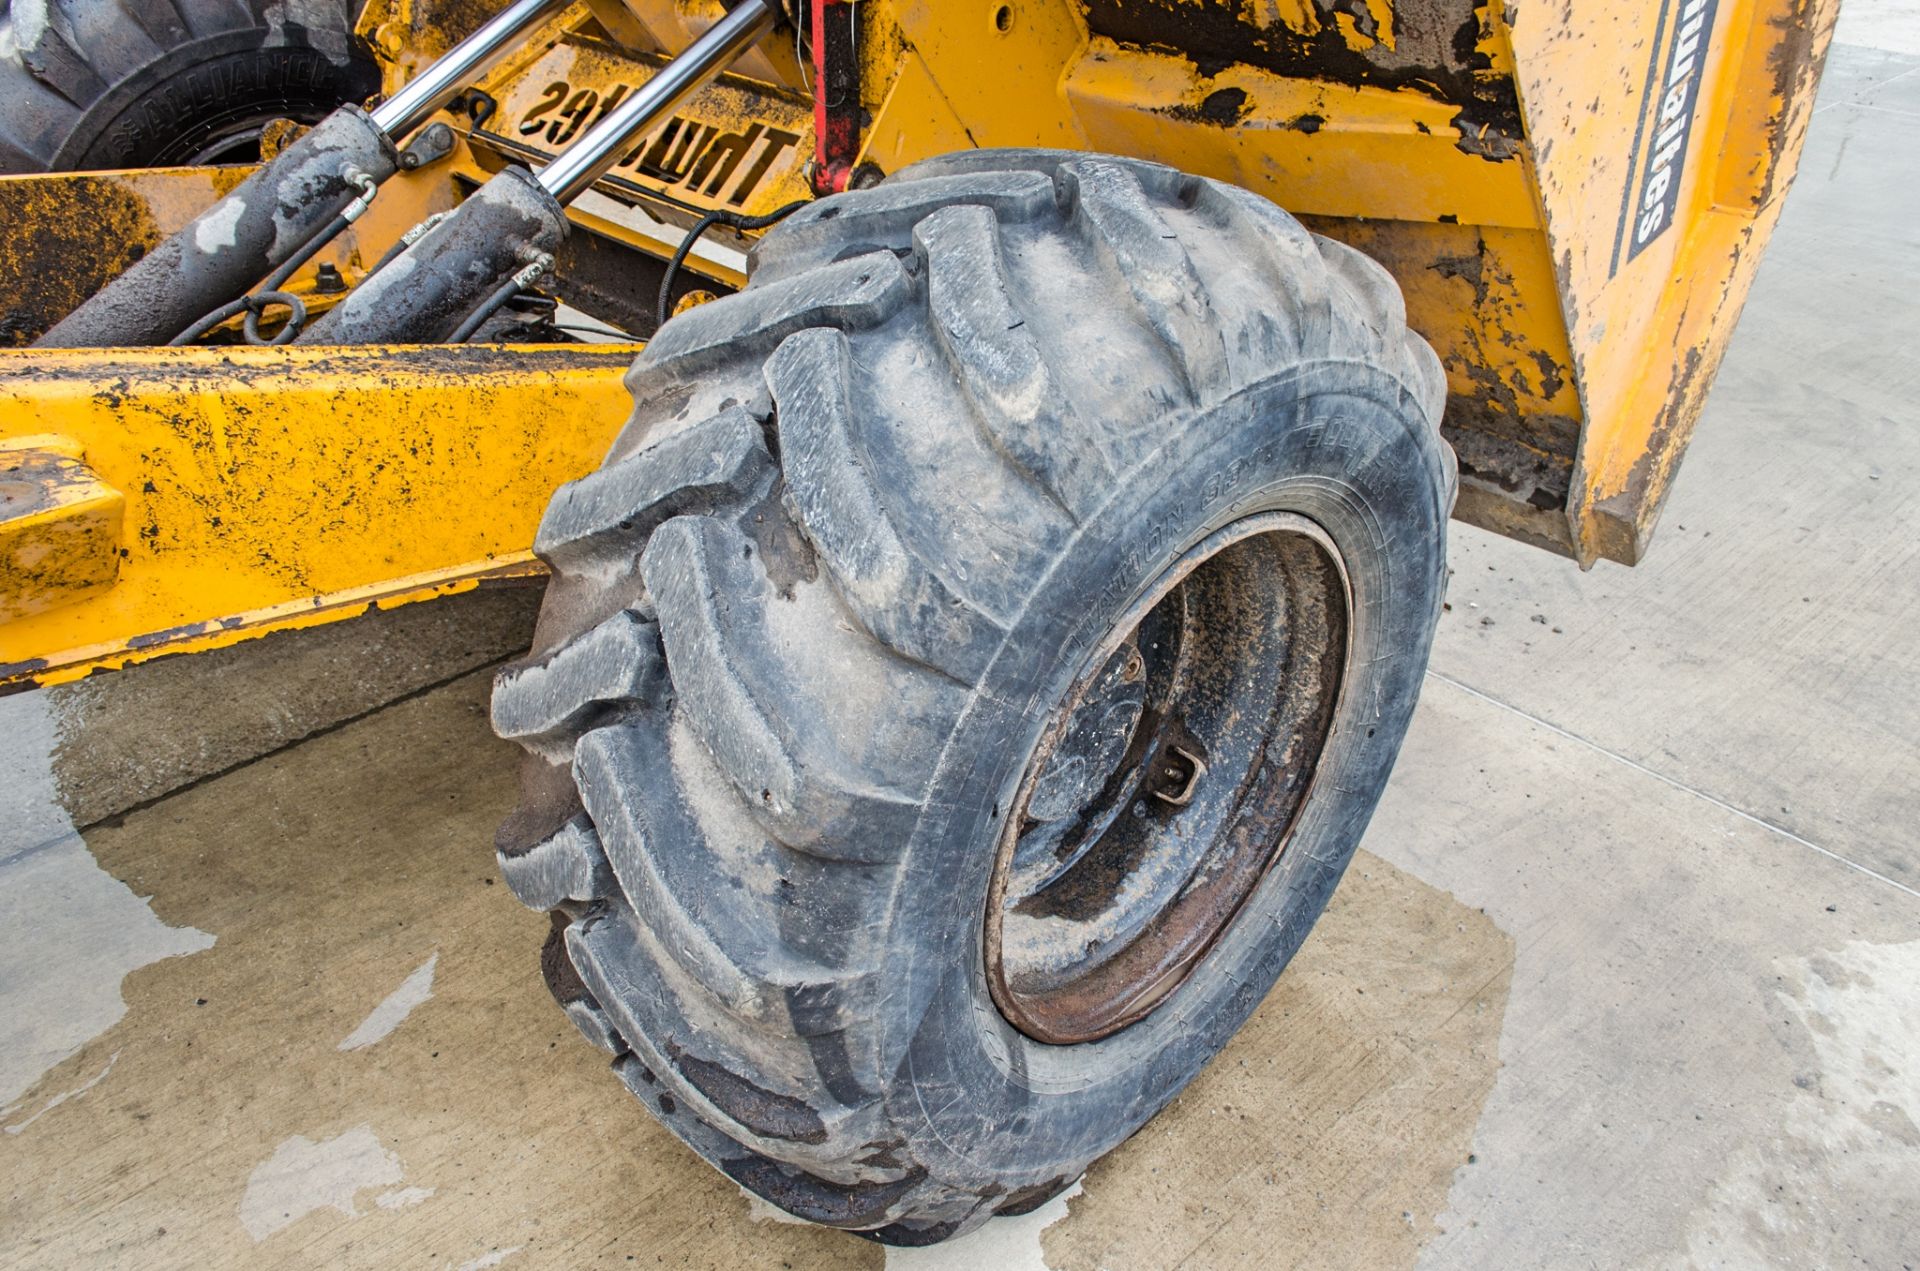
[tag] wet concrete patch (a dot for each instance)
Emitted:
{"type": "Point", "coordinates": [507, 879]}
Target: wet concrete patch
{"type": "Point", "coordinates": [1327, 1133]}
{"type": "Point", "coordinates": [334, 871]}
{"type": "Point", "coordinates": [337, 869]}
{"type": "Point", "coordinates": [72, 931]}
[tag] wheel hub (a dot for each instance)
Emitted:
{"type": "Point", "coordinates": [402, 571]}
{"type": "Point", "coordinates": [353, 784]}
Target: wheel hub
{"type": "Point", "coordinates": [1167, 781]}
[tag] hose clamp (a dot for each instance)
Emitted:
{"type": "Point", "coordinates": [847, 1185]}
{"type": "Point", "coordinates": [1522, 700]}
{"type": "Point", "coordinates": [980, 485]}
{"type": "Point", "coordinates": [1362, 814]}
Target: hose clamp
{"type": "Point", "coordinates": [425, 227]}
{"type": "Point", "coordinates": [530, 272]}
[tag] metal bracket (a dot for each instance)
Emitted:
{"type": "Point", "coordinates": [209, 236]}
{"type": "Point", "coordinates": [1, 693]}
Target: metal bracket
{"type": "Point", "coordinates": [1177, 774]}
{"type": "Point", "coordinates": [434, 143]}
{"type": "Point", "coordinates": [59, 526]}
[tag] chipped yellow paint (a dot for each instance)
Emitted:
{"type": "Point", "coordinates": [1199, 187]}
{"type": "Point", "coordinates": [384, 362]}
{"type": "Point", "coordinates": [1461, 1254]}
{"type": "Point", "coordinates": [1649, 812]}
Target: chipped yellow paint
{"type": "Point", "coordinates": [1314, 147]}
{"type": "Point", "coordinates": [1493, 42]}
{"type": "Point", "coordinates": [1576, 380]}
{"type": "Point", "coordinates": [1576, 377]}
{"type": "Point", "coordinates": [1648, 332]}
{"type": "Point", "coordinates": [1377, 33]}
{"type": "Point", "coordinates": [59, 526]}
{"type": "Point", "coordinates": [1513, 408]}
{"type": "Point", "coordinates": [1295, 15]}
{"type": "Point", "coordinates": [274, 486]}
{"type": "Point", "coordinates": [263, 488]}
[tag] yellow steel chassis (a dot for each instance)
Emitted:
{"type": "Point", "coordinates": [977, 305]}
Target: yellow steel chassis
{"type": "Point", "coordinates": [156, 501]}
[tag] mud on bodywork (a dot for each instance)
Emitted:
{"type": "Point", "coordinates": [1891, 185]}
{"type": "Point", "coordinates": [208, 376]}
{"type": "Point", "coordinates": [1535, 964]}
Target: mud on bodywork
{"type": "Point", "coordinates": [1439, 47]}
{"type": "Point", "coordinates": [1707, 110]}
{"type": "Point", "coordinates": [68, 236]}
{"type": "Point", "coordinates": [59, 526]}
{"type": "Point", "coordinates": [1479, 151]}
{"type": "Point", "coordinates": [1473, 264]}
{"type": "Point", "coordinates": [267, 488]}
{"type": "Point", "coordinates": [1576, 370]}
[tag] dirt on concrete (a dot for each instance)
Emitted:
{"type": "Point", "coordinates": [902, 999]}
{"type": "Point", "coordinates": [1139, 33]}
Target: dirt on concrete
{"type": "Point", "coordinates": [365, 1069]}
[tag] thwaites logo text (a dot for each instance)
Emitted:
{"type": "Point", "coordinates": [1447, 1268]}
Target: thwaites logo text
{"type": "Point", "coordinates": [702, 159]}
{"type": "Point", "coordinates": [1666, 121]}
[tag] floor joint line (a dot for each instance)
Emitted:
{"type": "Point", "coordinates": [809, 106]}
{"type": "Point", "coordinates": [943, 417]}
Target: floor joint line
{"type": "Point", "coordinates": [1681, 786]}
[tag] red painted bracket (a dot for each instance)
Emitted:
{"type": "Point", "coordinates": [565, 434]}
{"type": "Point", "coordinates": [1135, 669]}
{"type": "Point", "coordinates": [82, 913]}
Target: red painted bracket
{"type": "Point", "coordinates": [836, 96]}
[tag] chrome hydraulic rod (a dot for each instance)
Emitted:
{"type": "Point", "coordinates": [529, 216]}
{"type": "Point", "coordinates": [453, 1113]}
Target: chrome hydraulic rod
{"type": "Point", "coordinates": [595, 153]}
{"type": "Point", "coordinates": [305, 192]}
{"type": "Point", "coordinates": [518, 219]}
{"type": "Point", "coordinates": [427, 93]}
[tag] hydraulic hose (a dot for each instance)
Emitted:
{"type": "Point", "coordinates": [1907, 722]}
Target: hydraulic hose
{"type": "Point", "coordinates": [431, 290]}
{"type": "Point", "coordinates": [224, 251]}
{"type": "Point", "coordinates": [284, 206]}
{"type": "Point", "coordinates": [501, 297]}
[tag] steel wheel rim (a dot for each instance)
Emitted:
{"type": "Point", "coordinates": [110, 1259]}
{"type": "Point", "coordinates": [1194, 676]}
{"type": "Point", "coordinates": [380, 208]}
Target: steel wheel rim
{"type": "Point", "coordinates": [233, 136]}
{"type": "Point", "coordinates": [1168, 780]}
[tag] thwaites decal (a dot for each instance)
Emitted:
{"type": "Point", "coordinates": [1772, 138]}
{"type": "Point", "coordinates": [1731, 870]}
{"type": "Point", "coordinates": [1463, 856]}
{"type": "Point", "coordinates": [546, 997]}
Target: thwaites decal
{"type": "Point", "coordinates": [700, 158]}
{"type": "Point", "coordinates": [1659, 156]}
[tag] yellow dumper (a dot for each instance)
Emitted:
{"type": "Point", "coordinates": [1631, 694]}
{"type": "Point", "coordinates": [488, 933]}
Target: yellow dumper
{"type": "Point", "coordinates": [991, 547]}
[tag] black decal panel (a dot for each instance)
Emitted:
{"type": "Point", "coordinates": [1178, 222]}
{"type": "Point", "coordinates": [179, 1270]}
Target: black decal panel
{"type": "Point", "coordinates": [1672, 94]}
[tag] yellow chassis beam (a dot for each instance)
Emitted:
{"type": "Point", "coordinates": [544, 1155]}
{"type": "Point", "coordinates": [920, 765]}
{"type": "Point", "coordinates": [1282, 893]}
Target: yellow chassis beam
{"type": "Point", "coordinates": [198, 497]}
{"type": "Point", "coordinates": [166, 500]}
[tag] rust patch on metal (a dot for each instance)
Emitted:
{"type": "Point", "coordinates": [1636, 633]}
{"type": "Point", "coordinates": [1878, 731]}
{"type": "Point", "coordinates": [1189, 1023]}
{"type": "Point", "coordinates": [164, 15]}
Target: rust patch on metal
{"type": "Point", "coordinates": [1796, 63]}
{"type": "Point", "coordinates": [1167, 780]}
{"type": "Point", "coordinates": [1433, 48]}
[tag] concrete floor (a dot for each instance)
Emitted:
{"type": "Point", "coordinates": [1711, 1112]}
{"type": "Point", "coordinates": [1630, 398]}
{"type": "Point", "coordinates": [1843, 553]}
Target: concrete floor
{"type": "Point", "coordinates": [1627, 973]}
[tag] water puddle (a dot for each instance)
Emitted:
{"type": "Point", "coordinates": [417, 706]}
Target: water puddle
{"type": "Point", "coordinates": [73, 930]}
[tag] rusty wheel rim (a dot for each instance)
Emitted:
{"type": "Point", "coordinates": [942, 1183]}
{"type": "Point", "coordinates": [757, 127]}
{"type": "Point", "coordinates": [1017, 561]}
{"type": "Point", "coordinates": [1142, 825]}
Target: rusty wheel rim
{"type": "Point", "coordinates": [1168, 780]}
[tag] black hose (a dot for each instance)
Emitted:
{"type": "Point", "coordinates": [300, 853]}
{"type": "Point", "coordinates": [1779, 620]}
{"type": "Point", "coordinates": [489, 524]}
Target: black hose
{"type": "Point", "coordinates": [269, 293]}
{"type": "Point", "coordinates": [308, 250]}
{"type": "Point", "coordinates": [388, 257]}
{"type": "Point", "coordinates": [251, 306]}
{"type": "Point", "coordinates": [732, 220]}
{"type": "Point", "coordinates": [405, 241]}
{"type": "Point", "coordinates": [208, 321]}
{"type": "Point", "coordinates": [502, 295]}
{"type": "Point", "coordinates": [296, 317]}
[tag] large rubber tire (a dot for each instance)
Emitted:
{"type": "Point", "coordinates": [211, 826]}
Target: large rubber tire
{"type": "Point", "coordinates": [98, 84]}
{"type": "Point", "coordinates": [807, 623]}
